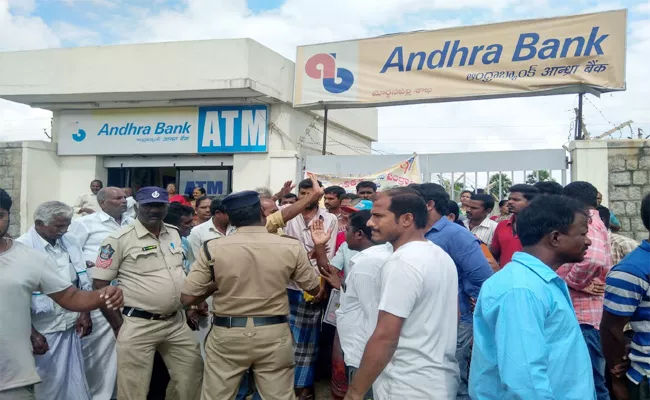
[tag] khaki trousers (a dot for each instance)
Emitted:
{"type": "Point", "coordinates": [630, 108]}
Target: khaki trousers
{"type": "Point", "coordinates": [230, 352]}
{"type": "Point", "coordinates": [137, 343]}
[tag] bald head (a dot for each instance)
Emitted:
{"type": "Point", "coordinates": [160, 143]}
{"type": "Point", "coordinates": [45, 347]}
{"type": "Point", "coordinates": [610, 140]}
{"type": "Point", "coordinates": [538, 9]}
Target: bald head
{"type": "Point", "coordinates": [268, 206]}
{"type": "Point", "coordinates": [112, 200]}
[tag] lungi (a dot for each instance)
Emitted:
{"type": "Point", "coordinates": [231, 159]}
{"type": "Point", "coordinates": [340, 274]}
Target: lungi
{"type": "Point", "coordinates": [62, 368]}
{"type": "Point", "coordinates": [100, 359]}
{"type": "Point", "coordinates": [305, 320]}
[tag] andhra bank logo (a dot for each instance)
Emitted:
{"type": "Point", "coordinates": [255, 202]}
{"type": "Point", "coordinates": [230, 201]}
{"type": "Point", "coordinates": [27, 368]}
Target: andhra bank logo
{"type": "Point", "coordinates": [323, 66]}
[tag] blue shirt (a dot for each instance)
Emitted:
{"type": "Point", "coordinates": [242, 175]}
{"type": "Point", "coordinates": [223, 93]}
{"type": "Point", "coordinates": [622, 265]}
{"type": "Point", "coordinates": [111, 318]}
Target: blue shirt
{"type": "Point", "coordinates": [626, 294]}
{"type": "Point", "coordinates": [472, 266]}
{"type": "Point", "coordinates": [527, 341]}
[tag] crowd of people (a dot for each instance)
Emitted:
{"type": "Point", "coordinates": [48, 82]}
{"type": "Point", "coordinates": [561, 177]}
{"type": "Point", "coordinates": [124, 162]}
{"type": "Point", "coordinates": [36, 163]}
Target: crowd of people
{"type": "Point", "coordinates": [399, 294]}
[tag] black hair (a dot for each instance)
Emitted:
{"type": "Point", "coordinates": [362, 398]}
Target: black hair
{"type": "Point", "coordinates": [175, 212]}
{"type": "Point", "coordinates": [349, 196]}
{"type": "Point", "coordinates": [549, 187]}
{"type": "Point", "coordinates": [433, 192]}
{"type": "Point", "coordinates": [405, 200]}
{"type": "Point", "coordinates": [582, 191]}
{"type": "Point", "coordinates": [452, 208]}
{"type": "Point", "coordinates": [201, 190]}
{"type": "Point", "coordinates": [488, 201]}
{"type": "Point", "coordinates": [503, 203]}
{"type": "Point", "coordinates": [290, 196]}
{"type": "Point", "coordinates": [528, 191]}
{"type": "Point", "coordinates": [5, 200]}
{"type": "Point", "coordinates": [367, 184]}
{"type": "Point", "coordinates": [645, 211]}
{"type": "Point", "coordinates": [336, 190]}
{"type": "Point", "coordinates": [359, 222]}
{"type": "Point", "coordinates": [216, 205]}
{"type": "Point", "coordinates": [306, 184]}
{"type": "Point", "coordinates": [246, 216]}
{"type": "Point", "coordinates": [466, 191]}
{"type": "Point", "coordinates": [201, 199]}
{"type": "Point", "coordinates": [604, 214]}
{"type": "Point", "coordinates": [98, 181]}
{"type": "Point", "coordinates": [547, 213]}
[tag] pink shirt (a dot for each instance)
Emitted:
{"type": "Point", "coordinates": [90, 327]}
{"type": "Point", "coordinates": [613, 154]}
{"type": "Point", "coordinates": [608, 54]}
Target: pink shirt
{"type": "Point", "coordinates": [597, 263]}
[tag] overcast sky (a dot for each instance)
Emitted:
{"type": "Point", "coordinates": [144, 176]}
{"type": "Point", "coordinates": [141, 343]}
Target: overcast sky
{"type": "Point", "coordinates": [508, 124]}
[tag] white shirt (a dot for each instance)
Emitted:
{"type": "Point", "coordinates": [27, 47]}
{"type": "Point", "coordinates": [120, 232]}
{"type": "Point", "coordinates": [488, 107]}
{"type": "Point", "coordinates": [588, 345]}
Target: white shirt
{"type": "Point", "coordinates": [92, 229]}
{"type": "Point", "coordinates": [297, 228]}
{"type": "Point", "coordinates": [420, 284]}
{"type": "Point", "coordinates": [202, 233]}
{"type": "Point", "coordinates": [86, 200]}
{"type": "Point", "coordinates": [356, 317]}
{"type": "Point", "coordinates": [485, 231]}
{"type": "Point", "coordinates": [60, 319]}
{"type": "Point", "coordinates": [130, 207]}
{"type": "Point", "coordinates": [23, 270]}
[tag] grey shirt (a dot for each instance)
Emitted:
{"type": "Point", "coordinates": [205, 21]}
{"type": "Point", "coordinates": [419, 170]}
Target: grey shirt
{"type": "Point", "coordinates": [23, 270]}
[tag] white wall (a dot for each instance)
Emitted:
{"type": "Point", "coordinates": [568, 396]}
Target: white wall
{"type": "Point", "coordinates": [40, 179]}
{"type": "Point", "coordinates": [589, 163]}
{"type": "Point", "coordinates": [76, 174]}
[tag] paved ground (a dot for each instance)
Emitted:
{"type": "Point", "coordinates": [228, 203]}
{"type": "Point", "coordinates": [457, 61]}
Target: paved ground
{"type": "Point", "coordinates": [322, 391]}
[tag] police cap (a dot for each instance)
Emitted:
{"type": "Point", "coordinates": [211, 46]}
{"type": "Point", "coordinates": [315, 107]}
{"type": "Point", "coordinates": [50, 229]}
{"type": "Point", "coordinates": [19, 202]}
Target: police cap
{"type": "Point", "coordinates": [241, 199]}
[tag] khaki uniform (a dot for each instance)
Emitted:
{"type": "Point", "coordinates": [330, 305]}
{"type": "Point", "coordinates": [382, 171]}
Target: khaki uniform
{"type": "Point", "coordinates": [150, 273]}
{"type": "Point", "coordinates": [275, 223]}
{"type": "Point", "coordinates": [252, 269]}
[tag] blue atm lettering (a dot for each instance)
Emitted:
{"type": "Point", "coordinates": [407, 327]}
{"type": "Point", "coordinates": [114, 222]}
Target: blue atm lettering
{"type": "Point", "coordinates": [211, 187]}
{"type": "Point", "coordinates": [233, 129]}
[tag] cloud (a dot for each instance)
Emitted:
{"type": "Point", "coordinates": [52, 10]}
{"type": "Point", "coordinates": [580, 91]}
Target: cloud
{"type": "Point", "coordinates": [21, 6]}
{"type": "Point", "coordinates": [525, 123]}
{"type": "Point", "coordinates": [74, 34]}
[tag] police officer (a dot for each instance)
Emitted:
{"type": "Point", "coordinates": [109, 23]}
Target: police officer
{"type": "Point", "coordinates": [147, 260]}
{"type": "Point", "coordinates": [251, 269]}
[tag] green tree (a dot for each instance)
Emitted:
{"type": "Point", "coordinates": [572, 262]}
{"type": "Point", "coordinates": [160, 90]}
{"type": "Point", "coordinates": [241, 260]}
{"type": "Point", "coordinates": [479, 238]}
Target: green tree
{"type": "Point", "coordinates": [493, 185]}
{"type": "Point", "coordinates": [544, 176]}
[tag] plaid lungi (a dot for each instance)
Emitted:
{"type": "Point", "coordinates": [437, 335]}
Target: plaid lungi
{"type": "Point", "coordinates": [304, 320]}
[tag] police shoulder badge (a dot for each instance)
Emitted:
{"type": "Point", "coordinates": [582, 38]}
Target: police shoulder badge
{"type": "Point", "coordinates": [105, 258]}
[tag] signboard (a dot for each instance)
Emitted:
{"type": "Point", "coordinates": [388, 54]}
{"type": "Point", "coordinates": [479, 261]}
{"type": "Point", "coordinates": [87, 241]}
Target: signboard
{"type": "Point", "coordinates": [401, 174]}
{"type": "Point", "coordinates": [186, 130]}
{"type": "Point", "coordinates": [215, 181]}
{"type": "Point", "coordinates": [522, 58]}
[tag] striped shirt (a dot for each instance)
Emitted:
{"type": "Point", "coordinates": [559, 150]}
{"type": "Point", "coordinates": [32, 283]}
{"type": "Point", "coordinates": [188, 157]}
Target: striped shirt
{"type": "Point", "coordinates": [627, 295]}
{"type": "Point", "coordinates": [485, 231]}
{"type": "Point", "coordinates": [621, 246]}
{"type": "Point", "coordinates": [596, 264]}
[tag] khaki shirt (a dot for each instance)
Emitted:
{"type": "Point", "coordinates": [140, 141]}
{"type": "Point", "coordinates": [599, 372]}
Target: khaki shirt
{"type": "Point", "coordinates": [275, 223]}
{"type": "Point", "coordinates": [252, 268]}
{"type": "Point", "coordinates": [149, 269]}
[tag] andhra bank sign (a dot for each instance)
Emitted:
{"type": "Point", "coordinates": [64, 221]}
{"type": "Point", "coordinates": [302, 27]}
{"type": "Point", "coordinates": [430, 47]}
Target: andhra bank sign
{"type": "Point", "coordinates": [186, 130]}
{"type": "Point", "coordinates": [544, 56]}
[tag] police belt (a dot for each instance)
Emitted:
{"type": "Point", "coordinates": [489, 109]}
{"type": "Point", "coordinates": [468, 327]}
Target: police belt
{"type": "Point", "coordinates": [134, 312]}
{"type": "Point", "coordinates": [240, 322]}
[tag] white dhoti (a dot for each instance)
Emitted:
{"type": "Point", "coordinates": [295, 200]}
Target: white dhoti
{"type": "Point", "coordinates": [100, 358]}
{"type": "Point", "coordinates": [62, 368]}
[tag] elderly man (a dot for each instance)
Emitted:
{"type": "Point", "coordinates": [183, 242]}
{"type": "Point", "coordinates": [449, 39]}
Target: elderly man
{"type": "Point", "coordinates": [87, 202]}
{"type": "Point", "coordinates": [26, 270]}
{"type": "Point", "coordinates": [99, 352]}
{"type": "Point", "coordinates": [215, 227]}
{"type": "Point", "coordinates": [62, 367]}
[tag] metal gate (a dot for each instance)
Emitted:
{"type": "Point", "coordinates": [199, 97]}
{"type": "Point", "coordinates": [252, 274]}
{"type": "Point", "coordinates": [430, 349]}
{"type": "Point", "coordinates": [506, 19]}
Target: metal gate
{"type": "Point", "coordinates": [492, 171]}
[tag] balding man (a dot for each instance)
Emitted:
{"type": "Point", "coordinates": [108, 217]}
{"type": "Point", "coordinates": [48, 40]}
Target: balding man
{"type": "Point", "coordinates": [87, 203]}
{"type": "Point", "coordinates": [99, 352]}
